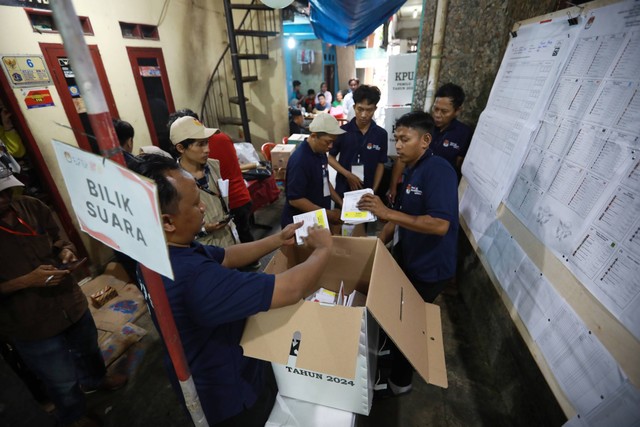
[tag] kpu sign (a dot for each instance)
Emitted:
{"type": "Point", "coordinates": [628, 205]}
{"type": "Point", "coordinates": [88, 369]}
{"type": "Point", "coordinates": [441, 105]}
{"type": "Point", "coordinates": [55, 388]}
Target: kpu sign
{"type": "Point", "coordinates": [401, 79]}
{"type": "Point", "coordinates": [115, 206]}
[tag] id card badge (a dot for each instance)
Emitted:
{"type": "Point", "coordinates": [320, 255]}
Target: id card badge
{"type": "Point", "coordinates": [325, 187]}
{"type": "Point", "coordinates": [358, 170]}
{"type": "Point", "coordinates": [234, 231]}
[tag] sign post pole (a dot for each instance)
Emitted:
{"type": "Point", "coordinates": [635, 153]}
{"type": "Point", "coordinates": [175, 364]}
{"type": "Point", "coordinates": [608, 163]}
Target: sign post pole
{"type": "Point", "coordinates": [67, 22]}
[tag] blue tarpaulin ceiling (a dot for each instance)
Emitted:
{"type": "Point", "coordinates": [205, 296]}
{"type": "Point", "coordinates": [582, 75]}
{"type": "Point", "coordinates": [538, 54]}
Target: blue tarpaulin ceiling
{"type": "Point", "coordinates": [347, 22]}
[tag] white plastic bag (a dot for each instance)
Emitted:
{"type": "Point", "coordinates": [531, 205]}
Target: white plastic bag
{"type": "Point", "coordinates": [246, 153]}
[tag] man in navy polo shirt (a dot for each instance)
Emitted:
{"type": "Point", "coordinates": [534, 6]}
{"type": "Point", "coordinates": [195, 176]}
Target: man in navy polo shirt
{"type": "Point", "coordinates": [308, 187]}
{"type": "Point", "coordinates": [424, 224]}
{"type": "Point", "coordinates": [450, 138]}
{"type": "Point", "coordinates": [210, 300]}
{"type": "Point", "coordinates": [363, 148]}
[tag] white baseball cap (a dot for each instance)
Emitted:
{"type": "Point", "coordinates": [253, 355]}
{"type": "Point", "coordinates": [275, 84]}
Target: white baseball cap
{"type": "Point", "coordinates": [7, 180]}
{"type": "Point", "coordinates": [326, 123]}
{"type": "Point", "coordinates": [189, 128]}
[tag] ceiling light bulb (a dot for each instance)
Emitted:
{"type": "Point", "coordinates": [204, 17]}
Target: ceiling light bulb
{"type": "Point", "coordinates": [415, 13]}
{"type": "Point", "coordinates": [291, 43]}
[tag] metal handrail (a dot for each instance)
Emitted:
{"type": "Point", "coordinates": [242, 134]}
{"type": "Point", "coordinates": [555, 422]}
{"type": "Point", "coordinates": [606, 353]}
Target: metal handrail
{"type": "Point", "coordinates": [216, 108]}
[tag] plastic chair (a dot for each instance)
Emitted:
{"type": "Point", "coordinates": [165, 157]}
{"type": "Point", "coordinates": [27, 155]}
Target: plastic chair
{"type": "Point", "coordinates": [266, 149]}
{"type": "Point", "coordinates": [285, 139]}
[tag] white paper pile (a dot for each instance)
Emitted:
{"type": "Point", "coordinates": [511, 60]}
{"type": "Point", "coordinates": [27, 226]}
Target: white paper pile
{"type": "Point", "coordinates": [310, 219]}
{"type": "Point", "coordinates": [350, 212]}
{"type": "Point", "coordinates": [327, 297]}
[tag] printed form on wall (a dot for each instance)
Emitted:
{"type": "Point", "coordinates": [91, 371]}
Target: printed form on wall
{"type": "Point", "coordinates": [529, 69]}
{"type": "Point", "coordinates": [578, 188]}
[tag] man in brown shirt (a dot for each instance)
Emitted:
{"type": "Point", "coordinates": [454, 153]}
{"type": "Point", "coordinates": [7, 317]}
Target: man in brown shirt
{"type": "Point", "coordinates": [43, 312]}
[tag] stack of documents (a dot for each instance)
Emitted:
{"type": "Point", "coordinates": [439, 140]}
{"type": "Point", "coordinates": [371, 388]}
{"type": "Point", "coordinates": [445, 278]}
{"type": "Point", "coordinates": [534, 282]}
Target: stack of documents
{"type": "Point", "coordinates": [350, 213]}
{"type": "Point", "coordinates": [310, 219]}
{"type": "Point", "coordinates": [327, 297]}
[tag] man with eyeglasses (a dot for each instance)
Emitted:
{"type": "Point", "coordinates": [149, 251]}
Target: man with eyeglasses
{"type": "Point", "coordinates": [359, 155]}
{"type": "Point", "coordinates": [307, 187]}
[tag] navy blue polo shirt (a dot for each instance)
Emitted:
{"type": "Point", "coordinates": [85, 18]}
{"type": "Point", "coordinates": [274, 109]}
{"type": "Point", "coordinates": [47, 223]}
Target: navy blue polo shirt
{"type": "Point", "coordinates": [429, 188]}
{"type": "Point", "coordinates": [451, 142]}
{"type": "Point", "coordinates": [307, 173]}
{"type": "Point", "coordinates": [210, 304]}
{"type": "Point", "coordinates": [354, 147]}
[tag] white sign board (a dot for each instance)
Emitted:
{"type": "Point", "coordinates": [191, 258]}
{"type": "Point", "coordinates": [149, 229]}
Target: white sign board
{"type": "Point", "coordinates": [115, 206]}
{"type": "Point", "coordinates": [391, 114]}
{"type": "Point", "coordinates": [402, 70]}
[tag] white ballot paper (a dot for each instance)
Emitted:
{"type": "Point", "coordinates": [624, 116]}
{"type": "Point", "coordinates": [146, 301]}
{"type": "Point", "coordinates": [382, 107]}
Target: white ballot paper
{"type": "Point", "coordinates": [318, 217]}
{"type": "Point", "coordinates": [350, 212]}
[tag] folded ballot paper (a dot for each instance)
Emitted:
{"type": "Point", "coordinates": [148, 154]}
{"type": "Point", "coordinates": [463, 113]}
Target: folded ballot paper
{"type": "Point", "coordinates": [350, 213]}
{"type": "Point", "coordinates": [327, 297]}
{"type": "Point", "coordinates": [310, 219]}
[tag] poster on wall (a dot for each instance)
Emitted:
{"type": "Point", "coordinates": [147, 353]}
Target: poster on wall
{"type": "Point", "coordinates": [401, 78]}
{"type": "Point", "coordinates": [391, 114]}
{"type": "Point", "coordinates": [38, 99]}
{"type": "Point", "coordinates": [526, 76]}
{"type": "Point", "coordinates": [578, 189]}
{"type": "Point", "coordinates": [26, 70]}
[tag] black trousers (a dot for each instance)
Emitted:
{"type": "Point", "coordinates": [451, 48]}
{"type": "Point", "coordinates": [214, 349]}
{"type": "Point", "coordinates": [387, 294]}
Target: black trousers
{"type": "Point", "coordinates": [242, 217]}
{"type": "Point", "coordinates": [258, 414]}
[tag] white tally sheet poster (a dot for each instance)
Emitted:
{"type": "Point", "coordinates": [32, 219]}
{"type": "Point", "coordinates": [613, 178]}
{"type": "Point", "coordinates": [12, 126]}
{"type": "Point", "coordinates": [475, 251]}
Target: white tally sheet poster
{"type": "Point", "coordinates": [559, 145]}
{"type": "Point", "coordinates": [584, 369]}
{"type": "Point", "coordinates": [530, 67]}
{"type": "Point", "coordinates": [578, 189]}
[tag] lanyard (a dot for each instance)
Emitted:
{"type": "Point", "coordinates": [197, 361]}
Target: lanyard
{"type": "Point", "coordinates": [31, 232]}
{"type": "Point", "coordinates": [203, 184]}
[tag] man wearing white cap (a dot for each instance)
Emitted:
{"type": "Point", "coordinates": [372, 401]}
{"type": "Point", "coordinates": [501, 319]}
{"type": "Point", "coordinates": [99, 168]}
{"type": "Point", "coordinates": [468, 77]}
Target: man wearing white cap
{"type": "Point", "coordinates": [42, 309]}
{"type": "Point", "coordinates": [190, 139]}
{"type": "Point", "coordinates": [308, 187]}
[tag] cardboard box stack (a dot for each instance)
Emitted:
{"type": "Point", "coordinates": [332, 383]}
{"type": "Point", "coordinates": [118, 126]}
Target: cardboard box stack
{"type": "Point", "coordinates": [279, 157]}
{"type": "Point", "coordinates": [333, 361]}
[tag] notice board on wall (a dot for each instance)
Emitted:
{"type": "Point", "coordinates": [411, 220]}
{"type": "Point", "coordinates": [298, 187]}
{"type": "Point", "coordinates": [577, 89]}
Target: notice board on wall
{"type": "Point", "coordinates": [552, 202]}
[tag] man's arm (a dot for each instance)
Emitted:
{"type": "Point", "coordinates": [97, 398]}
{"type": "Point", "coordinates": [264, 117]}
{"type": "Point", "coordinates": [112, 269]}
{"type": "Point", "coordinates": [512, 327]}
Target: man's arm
{"type": "Point", "coordinates": [44, 275]}
{"type": "Point", "coordinates": [302, 280]}
{"type": "Point", "coordinates": [304, 205]}
{"type": "Point", "coordinates": [334, 195]}
{"type": "Point", "coordinates": [377, 177]}
{"type": "Point", "coordinates": [386, 234]}
{"type": "Point", "coordinates": [396, 173]}
{"type": "Point", "coordinates": [245, 253]}
{"type": "Point", "coordinates": [353, 181]}
{"type": "Point", "coordinates": [459, 161]}
{"type": "Point", "coordinates": [425, 224]}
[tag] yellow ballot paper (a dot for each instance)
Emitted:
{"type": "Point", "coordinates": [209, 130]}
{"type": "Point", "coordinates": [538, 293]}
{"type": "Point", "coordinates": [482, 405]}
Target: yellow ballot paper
{"type": "Point", "coordinates": [350, 212]}
{"type": "Point", "coordinates": [310, 219]}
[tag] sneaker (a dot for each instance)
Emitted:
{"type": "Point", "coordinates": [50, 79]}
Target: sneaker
{"type": "Point", "coordinates": [389, 389]}
{"type": "Point", "coordinates": [113, 382]}
{"type": "Point", "coordinates": [110, 382]}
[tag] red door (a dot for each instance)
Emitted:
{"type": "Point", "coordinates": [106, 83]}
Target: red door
{"type": "Point", "coordinates": [151, 78]}
{"type": "Point", "coordinates": [35, 173]}
{"type": "Point", "coordinates": [72, 101]}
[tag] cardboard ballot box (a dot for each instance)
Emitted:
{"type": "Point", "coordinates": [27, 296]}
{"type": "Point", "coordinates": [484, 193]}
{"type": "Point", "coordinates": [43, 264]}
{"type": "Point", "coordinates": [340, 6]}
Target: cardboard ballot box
{"type": "Point", "coordinates": [296, 138]}
{"type": "Point", "coordinates": [336, 355]}
{"type": "Point", "coordinates": [280, 155]}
